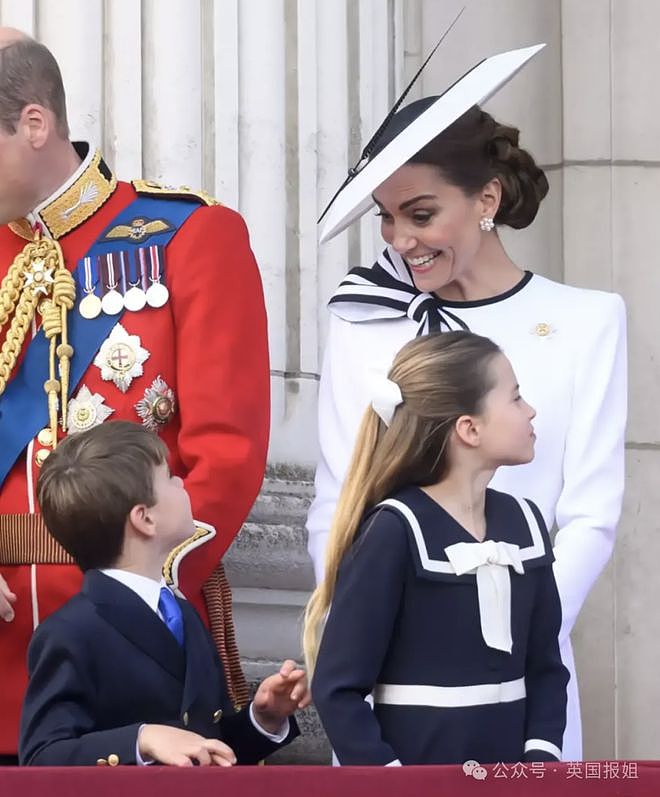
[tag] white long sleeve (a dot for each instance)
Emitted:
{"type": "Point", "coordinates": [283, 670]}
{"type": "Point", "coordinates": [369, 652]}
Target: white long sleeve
{"type": "Point", "coordinates": [589, 505]}
{"type": "Point", "coordinates": [343, 398]}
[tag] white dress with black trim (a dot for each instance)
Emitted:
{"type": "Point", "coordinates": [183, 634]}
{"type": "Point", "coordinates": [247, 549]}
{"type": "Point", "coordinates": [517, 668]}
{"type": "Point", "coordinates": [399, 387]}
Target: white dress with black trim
{"type": "Point", "coordinates": [568, 349]}
{"type": "Point", "coordinates": [456, 640]}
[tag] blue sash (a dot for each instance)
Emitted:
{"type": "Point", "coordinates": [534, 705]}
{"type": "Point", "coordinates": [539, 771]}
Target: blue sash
{"type": "Point", "coordinates": [23, 405]}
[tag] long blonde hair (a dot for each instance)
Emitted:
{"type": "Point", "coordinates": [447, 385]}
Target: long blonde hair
{"type": "Point", "coordinates": [441, 376]}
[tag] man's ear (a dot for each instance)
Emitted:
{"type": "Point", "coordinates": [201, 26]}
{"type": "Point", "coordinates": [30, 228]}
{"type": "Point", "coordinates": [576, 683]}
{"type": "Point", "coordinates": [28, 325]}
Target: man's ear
{"type": "Point", "coordinates": [467, 431]}
{"type": "Point", "coordinates": [37, 124]}
{"type": "Point", "coordinates": [142, 521]}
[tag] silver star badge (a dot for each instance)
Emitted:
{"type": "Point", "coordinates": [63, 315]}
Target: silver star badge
{"type": "Point", "coordinates": [87, 409]}
{"type": "Point", "coordinates": [120, 358]}
{"type": "Point", "coordinates": [158, 405]}
{"type": "Point", "coordinates": [39, 277]}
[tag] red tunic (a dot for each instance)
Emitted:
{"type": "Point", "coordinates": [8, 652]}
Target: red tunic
{"type": "Point", "coordinates": [209, 344]}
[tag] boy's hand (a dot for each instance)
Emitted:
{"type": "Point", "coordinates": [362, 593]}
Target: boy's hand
{"type": "Point", "coordinates": [181, 748]}
{"type": "Point", "coordinates": [279, 695]}
{"type": "Point", "coordinates": [7, 597]}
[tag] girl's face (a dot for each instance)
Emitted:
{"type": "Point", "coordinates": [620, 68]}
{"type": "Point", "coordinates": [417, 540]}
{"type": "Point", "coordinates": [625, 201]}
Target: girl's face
{"type": "Point", "coordinates": [506, 434]}
{"type": "Point", "coordinates": [432, 224]}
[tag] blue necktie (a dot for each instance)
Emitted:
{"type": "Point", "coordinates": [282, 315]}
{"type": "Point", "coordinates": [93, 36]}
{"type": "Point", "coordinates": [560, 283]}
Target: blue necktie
{"type": "Point", "coordinates": [171, 612]}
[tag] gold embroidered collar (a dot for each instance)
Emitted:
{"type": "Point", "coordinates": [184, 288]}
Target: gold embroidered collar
{"type": "Point", "coordinates": [88, 188]}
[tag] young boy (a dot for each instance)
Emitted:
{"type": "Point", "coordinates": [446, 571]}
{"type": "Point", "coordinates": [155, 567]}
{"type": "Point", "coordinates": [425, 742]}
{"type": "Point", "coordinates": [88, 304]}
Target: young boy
{"type": "Point", "coordinates": [125, 672]}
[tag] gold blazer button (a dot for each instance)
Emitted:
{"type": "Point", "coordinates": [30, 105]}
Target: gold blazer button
{"type": "Point", "coordinates": [217, 715]}
{"type": "Point", "coordinates": [113, 759]}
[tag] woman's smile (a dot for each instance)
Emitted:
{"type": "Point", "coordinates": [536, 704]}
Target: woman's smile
{"type": "Point", "coordinates": [424, 262]}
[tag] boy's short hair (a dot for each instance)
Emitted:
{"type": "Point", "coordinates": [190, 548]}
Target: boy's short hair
{"type": "Point", "coordinates": [89, 484]}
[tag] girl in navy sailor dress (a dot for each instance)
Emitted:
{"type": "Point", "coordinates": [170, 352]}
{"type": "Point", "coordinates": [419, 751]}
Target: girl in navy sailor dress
{"type": "Point", "coordinates": [439, 598]}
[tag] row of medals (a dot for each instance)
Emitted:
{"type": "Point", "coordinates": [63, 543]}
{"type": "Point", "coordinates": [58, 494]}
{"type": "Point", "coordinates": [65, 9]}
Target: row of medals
{"type": "Point", "coordinates": [133, 300]}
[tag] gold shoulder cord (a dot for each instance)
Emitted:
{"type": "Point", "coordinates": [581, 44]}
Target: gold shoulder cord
{"type": "Point", "coordinates": [38, 280]}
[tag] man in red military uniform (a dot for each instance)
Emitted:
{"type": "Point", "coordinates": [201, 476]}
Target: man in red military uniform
{"type": "Point", "coordinates": [162, 323]}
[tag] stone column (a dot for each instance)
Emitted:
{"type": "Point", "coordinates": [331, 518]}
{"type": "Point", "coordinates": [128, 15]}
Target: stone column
{"type": "Point", "coordinates": [613, 158]}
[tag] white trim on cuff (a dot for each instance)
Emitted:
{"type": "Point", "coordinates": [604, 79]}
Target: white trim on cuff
{"type": "Point", "coordinates": [541, 744]}
{"type": "Point", "coordinates": [277, 738]}
{"type": "Point", "coordinates": [141, 762]}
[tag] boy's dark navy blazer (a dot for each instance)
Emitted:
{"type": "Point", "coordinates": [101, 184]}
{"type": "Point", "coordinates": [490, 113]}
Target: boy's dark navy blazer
{"type": "Point", "coordinates": [105, 664]}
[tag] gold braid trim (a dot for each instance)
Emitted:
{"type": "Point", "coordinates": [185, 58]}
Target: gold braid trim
{"type": "Point", "coordinates": [53, 312]}
{"type": "Point", "coordinates": [152, 188]}
{"type": "Point", "coordinates": [16, 334]}
{"type": "Point", "coordinates": [168, 567]}
{"type": "Point", "coordinates": [91, 189]}
{"type": "Point", "coordinates": [11, 287]}
{"type": "Point", "coordinates": [22, 303]}
{"type": "Point", "coordinates": [38, 278]}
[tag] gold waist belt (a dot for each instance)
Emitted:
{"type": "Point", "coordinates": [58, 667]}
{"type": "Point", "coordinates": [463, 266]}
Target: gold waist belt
{"type": "Point", "coordinates": [25, 541]}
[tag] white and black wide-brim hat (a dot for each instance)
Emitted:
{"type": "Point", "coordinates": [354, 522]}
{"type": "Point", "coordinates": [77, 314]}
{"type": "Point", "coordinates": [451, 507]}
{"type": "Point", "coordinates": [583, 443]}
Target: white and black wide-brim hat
{"type": "Point", "coordinates": [407, 131]}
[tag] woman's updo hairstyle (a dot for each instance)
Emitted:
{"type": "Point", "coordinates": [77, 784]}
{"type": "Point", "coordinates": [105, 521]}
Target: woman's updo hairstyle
{"type": "Point", "coordinates": [474, 150]}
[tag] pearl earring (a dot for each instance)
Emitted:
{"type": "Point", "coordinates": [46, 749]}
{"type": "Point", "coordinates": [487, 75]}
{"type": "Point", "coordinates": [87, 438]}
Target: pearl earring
{"type": "Point", "coordinates": [486, 224]}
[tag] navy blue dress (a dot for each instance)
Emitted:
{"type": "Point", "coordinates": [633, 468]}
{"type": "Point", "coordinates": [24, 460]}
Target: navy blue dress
{"type": "Point", "coordinates": [407, 629]}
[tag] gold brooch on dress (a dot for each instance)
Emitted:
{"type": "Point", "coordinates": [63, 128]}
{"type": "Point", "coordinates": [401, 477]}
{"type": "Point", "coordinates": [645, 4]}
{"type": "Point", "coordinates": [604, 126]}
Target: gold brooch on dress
{"type": "Point", "coordinates": [543, 329]}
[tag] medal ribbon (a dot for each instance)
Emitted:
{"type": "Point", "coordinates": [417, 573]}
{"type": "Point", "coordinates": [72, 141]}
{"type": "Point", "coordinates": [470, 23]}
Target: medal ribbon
{"type": "Point", "coordinates": [123, 268]}
{"type": "Point", "coordinates": [156, 260]}
{"type": "Point", "coordinates": [135, 274]}
{"type": "Point", "coordinates": [88, 275]}
{"type": "Point", "coordinates": [142, 262]}
{"type": "Point", "coordinates": [111, 281]}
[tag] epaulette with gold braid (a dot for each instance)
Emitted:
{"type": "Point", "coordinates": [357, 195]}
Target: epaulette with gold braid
{"type": "Point", "coordinates": [152, 188]}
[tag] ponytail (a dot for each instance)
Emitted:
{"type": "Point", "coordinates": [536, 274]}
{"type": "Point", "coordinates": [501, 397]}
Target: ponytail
{"type": "Point", "coordinates": [438, 377]}
{"type": "Point", "coordinates": [353, 501]}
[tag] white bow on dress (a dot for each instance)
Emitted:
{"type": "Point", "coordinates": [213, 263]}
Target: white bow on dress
{"type": "Point", "coordinates": [491, 561]}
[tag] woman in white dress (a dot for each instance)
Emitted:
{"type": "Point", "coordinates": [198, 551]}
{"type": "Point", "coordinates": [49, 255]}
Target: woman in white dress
{"type": "Point", "coordinates": [444, 267]}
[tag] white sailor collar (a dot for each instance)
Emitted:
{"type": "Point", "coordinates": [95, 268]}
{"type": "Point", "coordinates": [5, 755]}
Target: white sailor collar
{"type": "Point", "coordinates": [524, 529]}
{"type": "Point", "coordinates": [516, 542]}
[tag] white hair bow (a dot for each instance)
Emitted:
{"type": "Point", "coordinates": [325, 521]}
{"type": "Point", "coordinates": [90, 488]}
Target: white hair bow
{"type": "Point", "coordinates": [385, 398]}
